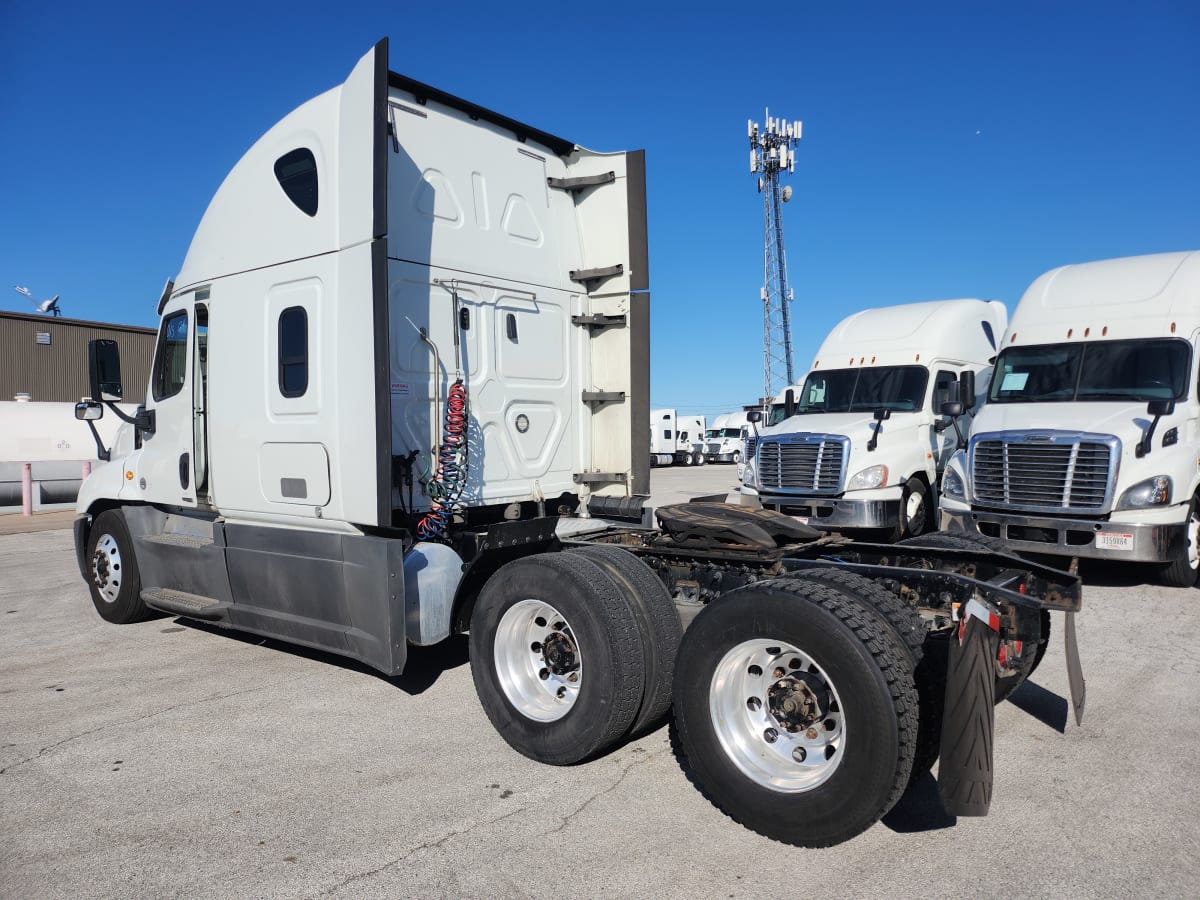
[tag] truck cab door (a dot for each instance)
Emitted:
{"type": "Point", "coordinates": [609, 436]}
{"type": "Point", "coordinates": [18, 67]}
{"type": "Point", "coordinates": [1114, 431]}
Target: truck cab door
{"type": "Point", "coordinates": [945, 443]}
{"type": "Point", "coordinates": [166, 471]}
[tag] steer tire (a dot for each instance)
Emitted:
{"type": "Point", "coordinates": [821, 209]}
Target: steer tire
{"type": "Point", "coordinates": [113, 577]}
{"type": "Point", "coordinates": [738, 728]}
{"type": "Point", "coordinates": [1182, 571]}
{"type": "Point", "coordinates": [658, 622]}
{"type": "Point", "coordinates": [565, 602]}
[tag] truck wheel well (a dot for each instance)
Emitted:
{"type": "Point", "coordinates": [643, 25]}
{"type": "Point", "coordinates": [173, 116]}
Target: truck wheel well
{"type": "Point", "coordinates": [479, 570]}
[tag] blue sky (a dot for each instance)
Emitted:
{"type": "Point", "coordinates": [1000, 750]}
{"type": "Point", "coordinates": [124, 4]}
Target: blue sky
{"type": "Point", "coordinates": [950, 149]}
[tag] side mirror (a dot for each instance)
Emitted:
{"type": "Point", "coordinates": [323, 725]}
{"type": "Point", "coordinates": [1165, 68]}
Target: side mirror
{"type": "Point", "coordinates": [754, 415]}
{"type": "Point", "coordinates": [966, 389]}
{"type": "Point", "coordinates": [952, 408]}
{"type": "Point", "coordinates": [89, 411]}
{"type": "Point", "coordinates": [789, 404]}
{"type": "Point", "coordinates": [882, 415]}
{"type": "Point", "coordinates": [1160, 407]}
{"type": "Point", "coordinates": [104, 371]}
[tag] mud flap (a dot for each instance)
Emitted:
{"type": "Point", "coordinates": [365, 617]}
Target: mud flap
{"type": "Point", "coordinates": [969, 722]}
{"type": "Point", "coordinates": [1074, 670]}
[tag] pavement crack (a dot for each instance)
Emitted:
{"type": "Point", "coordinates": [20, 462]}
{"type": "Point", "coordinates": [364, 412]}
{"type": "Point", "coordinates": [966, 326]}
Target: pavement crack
{"type": "Point", "coordinates": [428, 845]}
{"type": "Point", "coordinates": [570, 817]}
{"type": "Point", "coordinates": [50, 748]}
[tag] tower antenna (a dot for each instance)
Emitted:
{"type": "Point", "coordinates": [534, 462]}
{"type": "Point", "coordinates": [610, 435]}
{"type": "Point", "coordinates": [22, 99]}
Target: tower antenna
{"type": "Point", "coordinates": [772, 152]}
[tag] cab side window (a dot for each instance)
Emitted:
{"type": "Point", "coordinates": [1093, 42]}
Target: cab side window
{"type": "Point", "coordinates": [171, 356]}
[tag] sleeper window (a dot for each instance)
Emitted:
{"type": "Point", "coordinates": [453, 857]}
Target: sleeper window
{"type": "Point", "coordinates": [293, 351]}
{"type": "Point", "coordinates": [297, 174]}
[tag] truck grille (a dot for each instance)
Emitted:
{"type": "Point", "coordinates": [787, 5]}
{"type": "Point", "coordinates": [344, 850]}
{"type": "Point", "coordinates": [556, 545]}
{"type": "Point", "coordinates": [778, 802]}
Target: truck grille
{"type": "Point", "coordinates": [812, 465]}
{"type": "Point", "coordinates": [1061, 472]}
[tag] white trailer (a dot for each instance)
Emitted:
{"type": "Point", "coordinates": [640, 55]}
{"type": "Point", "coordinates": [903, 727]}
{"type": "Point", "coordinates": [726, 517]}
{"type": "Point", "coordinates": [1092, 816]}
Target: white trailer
{"type": "Point", "coordinates": [1087, 444]}
{"type": "Point", "coordinates": [406, 358]}
{"type": "Point", "coordinates": [866, 442]}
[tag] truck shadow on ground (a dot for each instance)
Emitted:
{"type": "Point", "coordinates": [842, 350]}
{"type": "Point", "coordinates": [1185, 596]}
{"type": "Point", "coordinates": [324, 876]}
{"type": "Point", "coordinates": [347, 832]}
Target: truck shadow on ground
{"type": "Point", "coordinates": [424, 666]}
{"type": "Point", "coordinates": [1045, 706]}
{"type": "Point", "coordinates": [920, 809]}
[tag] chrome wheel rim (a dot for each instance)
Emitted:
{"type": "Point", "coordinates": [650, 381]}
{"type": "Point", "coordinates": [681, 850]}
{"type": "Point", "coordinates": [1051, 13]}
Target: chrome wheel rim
{"type": "Point", "coordinates": [538, 661]}
{"type": "Point", "coordinates": [106, 568]}
{"type": "Point", "coordinates": [914, 511]}
{"type": "Point", "coordinates": [1193, 539]}
{"type": "Point", "coordinates": [777, 715]}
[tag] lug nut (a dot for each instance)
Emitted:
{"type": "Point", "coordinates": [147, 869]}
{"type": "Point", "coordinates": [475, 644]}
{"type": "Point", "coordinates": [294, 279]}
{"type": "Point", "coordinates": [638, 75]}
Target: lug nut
{"type": "Point", "coordinates": [799, 754]}
{"type": "Point", "coordinates": [754, 704]}
{"type": "Point", "coordinates": [811, 734]}
{"type": "Point", "coordinates": [770, 735]}
{"type": "Point", "coordinates": [544, 674]}
{"type": "Point", "coordinates": [536, 647]}
{"type": "Point", "coordinates": [573, 677]}
{"type": "Point", "coordinates": [754, 671]}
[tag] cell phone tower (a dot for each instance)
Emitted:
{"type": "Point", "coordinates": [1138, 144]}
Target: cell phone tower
{"type": "Point", "coordinates": [772, 152]}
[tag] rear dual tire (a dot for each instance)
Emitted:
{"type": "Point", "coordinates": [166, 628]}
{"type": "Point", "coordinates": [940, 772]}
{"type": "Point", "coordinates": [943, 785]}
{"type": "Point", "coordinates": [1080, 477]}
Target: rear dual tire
{"type": "Point", "coordinates": [573, 652]}
{"type": "Point", "coordinates": [795, 711]}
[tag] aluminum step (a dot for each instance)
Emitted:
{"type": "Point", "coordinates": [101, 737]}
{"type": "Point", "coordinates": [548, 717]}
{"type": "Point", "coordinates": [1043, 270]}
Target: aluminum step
{"type": "Point", "coordinates": [183, 604]}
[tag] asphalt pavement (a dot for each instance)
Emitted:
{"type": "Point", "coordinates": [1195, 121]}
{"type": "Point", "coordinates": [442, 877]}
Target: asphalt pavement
{"type": "Point", "coordinates": [173, 759]}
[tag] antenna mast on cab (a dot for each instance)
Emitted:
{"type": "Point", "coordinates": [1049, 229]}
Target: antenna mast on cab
{"type": "Point", "coordinates": [772, 152]}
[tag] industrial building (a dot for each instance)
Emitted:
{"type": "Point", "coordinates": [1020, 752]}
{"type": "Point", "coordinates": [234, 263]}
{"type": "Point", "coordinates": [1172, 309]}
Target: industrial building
{"type": "Point", "coordinates": [45, 357]}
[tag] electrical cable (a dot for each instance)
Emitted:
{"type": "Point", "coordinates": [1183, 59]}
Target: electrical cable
{"type": "Point", "coordinates": [446, 487]}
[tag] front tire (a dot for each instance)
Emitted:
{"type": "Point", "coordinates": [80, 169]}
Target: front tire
{"type": "Point", "coordinates": [116, 585]}
{"type": "Point", "coordinates": [1184, 569]}
{"type": "Point", "coordinates": [795, 711]}
{"type": "Point", "coordinates": [916, 510]}
{"type": "Point", "coordinates": [556, 657]}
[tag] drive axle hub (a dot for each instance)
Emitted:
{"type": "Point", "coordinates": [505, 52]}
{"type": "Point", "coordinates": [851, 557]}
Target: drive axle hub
{"type": "Point", "coordinates": [798, 700]}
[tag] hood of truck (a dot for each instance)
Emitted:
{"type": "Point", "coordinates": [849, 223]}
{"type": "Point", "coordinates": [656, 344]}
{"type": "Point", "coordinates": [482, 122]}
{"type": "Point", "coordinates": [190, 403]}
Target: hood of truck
{"type": "Point", "coordinates": [1125, 420]}
{"type": "Point", "coordinates": [858, 426]}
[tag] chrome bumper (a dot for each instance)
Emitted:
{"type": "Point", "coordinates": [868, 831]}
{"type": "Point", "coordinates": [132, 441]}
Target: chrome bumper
{"type": "Point", "coordinates": [1151, 543]}
{"type": "Point", "coordinates": [836, 512]}
{"type": "Point", "coordinates": [719, 457]}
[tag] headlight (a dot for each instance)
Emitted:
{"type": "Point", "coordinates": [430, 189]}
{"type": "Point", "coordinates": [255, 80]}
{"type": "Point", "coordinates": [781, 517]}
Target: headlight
{"type": "Point", "coordinates": [870, 477]}
{"type": "Point", "coordinates": [749, 476]}
{"type": "Point", "coordinates": [953, 485]}
{"type": "Point", "coordinates": [1154, 491]}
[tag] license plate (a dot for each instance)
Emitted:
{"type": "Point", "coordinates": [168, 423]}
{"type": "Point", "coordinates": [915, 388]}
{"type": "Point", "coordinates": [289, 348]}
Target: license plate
{"type": "Point", "coordinates": [803, 520]}
{"type": "Point", "coordinates": [1111, 540]}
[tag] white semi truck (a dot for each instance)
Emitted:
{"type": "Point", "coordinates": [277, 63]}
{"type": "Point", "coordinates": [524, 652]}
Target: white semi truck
{"type": "Point", "coordinates": [676, 439]}
{"type": "Point", "coordinates": [401, 390]}
{"type": "Point", "coordinates": [725, 439]}
{"type": "Point", "coordinates": [1088, 443]}
{"type": "Point", "coordinates": [863, 443]}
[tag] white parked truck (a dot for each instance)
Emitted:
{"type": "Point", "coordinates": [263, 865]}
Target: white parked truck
{"type": "Point", "coordinates": [676, 439]}
{"type": "Point", "coordinates": [725, 439]}
{"type": "Point", "coordinates": [1088, 443]}
{"type": "Point", "coordinates": [400, 392]}
{"type": "Point", "coordinates": [864, 442]}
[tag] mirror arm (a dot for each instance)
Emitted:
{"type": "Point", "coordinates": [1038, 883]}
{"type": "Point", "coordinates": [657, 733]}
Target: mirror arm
{"type": "Point", "coordinates": [1144, 445]}
{"type": "Point", "coordinates": [143, 421]}
{"type": "Point", "coordinates": [101, 451]}
{"type": "Point", "coordinates": [962, 438]}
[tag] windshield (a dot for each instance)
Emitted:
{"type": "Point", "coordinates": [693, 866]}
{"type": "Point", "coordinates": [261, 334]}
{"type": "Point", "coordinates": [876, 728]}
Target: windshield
{"type": "Point", "coordinates": [898, 388]}
{"type": "Point", "coordinates": [1103, 370]}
